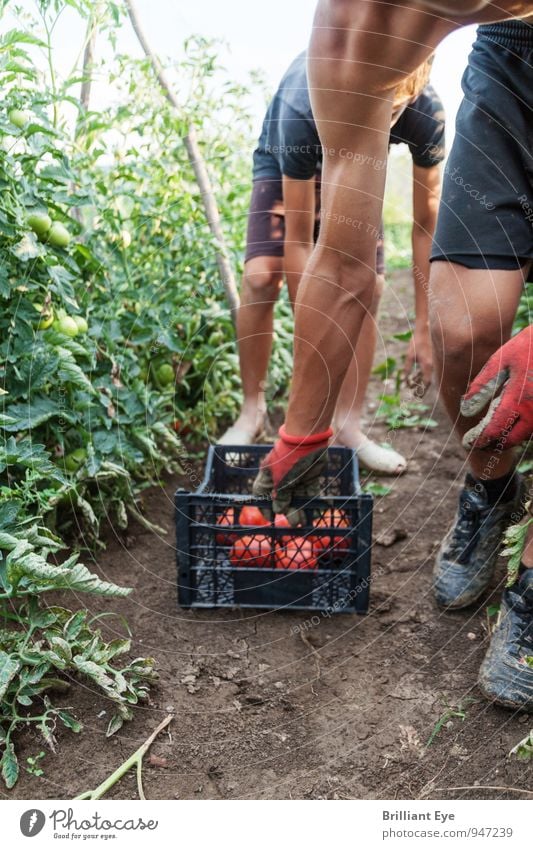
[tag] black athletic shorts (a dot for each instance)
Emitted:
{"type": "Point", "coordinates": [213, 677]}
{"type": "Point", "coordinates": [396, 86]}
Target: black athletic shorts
{"type": "Point", "coordinates": [486, 212]}
{"type": "Point", "coordinates": [266, 222]}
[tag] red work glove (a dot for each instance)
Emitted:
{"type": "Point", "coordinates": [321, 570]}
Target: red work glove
{"type": "Point", "coordinates": [292, 468]}
{"type": "Point", "coordinates": [509, 420]}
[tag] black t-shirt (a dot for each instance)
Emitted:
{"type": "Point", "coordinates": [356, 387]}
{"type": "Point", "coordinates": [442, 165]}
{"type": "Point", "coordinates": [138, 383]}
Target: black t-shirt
{"type": "Point", "coordinates": [289, 142]}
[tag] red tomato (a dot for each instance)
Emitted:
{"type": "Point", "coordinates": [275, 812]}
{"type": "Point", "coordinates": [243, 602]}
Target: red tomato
{"type": "Point", "coordinates": [251, 517]}
{"type": "Point", "coordinates": [252, 550]}
{"type": "Point", "coordinates": [331, 518]}
{"type": "Point", "coordinates": [281, 521]}
{"type": "Point", "coordinates": [296, 553]}
{"type": "Point", "coordinates": [227, 517]}
{"type": "Point", "coordinates": [179, 427]}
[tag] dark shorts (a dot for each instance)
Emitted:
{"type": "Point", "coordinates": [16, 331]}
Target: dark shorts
{"type": "Point", "coordinates": [486, 212]}
{"type": "Point", "coordinates": [266, 222]}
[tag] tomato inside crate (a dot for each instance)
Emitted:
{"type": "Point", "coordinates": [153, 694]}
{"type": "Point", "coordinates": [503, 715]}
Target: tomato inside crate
{"type": "Point", "coordinates": [234, 551]}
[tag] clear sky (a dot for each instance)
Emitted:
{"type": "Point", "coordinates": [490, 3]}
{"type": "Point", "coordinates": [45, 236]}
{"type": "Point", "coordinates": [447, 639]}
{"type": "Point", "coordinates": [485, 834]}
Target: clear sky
{"type": "Point", "coordinates": [259, 36]}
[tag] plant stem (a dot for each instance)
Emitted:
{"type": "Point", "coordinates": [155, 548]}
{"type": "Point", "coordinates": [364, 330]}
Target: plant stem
{"type": "Point", "coordinates": [135, 760]}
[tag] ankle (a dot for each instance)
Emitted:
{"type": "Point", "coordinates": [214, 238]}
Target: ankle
{"type": "Point", "coordinates": [348, 429]}
{"type": "Point", "coordinates": [252, 411]}
{"type": "Point", "coordinates": [503, 488]}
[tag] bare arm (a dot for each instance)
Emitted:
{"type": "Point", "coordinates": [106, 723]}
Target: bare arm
{"type": "Point", "coordinates": [426, 193]}
{"type": "Point", "coordinates": [299, 204]}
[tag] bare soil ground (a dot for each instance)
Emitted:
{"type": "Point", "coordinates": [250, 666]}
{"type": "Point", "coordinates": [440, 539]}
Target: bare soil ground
{"type": "Point", "coordinates": [345, 712]}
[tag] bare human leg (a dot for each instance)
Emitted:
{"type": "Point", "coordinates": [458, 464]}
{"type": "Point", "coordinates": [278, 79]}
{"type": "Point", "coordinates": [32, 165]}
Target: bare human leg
{"type": "Point", "coordinates": [471, 316]}
{"type": "Point", "coordinates": [262, 281]}
{"type": "Point", "coordinates": [352, 397]}
{"type": "Point", "coordinates": [352, 92]}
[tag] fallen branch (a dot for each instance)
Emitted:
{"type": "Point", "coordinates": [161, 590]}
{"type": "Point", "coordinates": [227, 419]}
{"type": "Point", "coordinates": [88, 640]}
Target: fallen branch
{"type": "Point", "coordinates": [136, 760]}
{"type": "Point", "coordinates": [481, 787]}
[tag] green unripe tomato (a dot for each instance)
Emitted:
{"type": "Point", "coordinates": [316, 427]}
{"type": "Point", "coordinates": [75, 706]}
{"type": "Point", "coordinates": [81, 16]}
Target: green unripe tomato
{"type": "Point", "coordinates": [165, 374]}
{"type": "Point", "coordinates": [46, 317]}
{"type": "Point", "coordinates": [75, 459]}
{"type": "Point", "coordinates": [40, 223]}
{"type": "Point", "coordinates": [19, 117]}
{"type": "Point", "coordinates": [58, 236]}
{"type": "Point", "coordinates": [81, 323]}
{"type": "Point", "coordinates": [66, 325]}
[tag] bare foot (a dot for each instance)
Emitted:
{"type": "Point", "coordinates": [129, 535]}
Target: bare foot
{"type": "Point", "coordinates": [371, 456]}
{"type": "Point", "coordinates": [246, 430]}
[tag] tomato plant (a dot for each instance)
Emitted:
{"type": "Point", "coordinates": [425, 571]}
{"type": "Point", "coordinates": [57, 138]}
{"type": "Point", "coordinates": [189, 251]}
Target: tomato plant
{"type": "Point", "coordinates": [113, 327]}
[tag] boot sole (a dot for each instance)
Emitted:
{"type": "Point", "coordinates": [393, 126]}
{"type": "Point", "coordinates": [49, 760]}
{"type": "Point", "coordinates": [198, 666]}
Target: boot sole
{"type": "Point", "coordinates": [462, 606]}
{"type": "Point", "coordinates": [505, 702]}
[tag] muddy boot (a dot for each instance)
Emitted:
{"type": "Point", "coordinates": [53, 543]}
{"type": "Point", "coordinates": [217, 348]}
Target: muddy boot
{"type": "Point", "coordinates": [468, 554]}
{"type": "Point", "coordinates": [505, 676]}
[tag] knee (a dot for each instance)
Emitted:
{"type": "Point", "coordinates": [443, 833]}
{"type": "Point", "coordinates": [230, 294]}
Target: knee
{"type": "Point", "coordinates": [460, 344]}
{"type": "Point", "coordinates": [452, 341]}
{"type": "Point", "coordinates": [358, 280]}
{"type": "Point", "coordinates": [262, 286]}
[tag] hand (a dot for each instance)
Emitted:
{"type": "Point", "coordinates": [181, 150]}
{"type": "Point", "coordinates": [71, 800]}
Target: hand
{"type": "Point", "coordinates": [419, 355]}
{"type": "Point", "coordinates": [509, 419]}
{"type": "Point", "coordinates": [292, 468]}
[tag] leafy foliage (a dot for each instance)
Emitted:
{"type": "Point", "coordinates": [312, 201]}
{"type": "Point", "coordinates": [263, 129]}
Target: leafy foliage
{"type": "Point", "coordinates": [397, 411]}
{"type": "Point", "coordinates": [108, 285]}
{"type": "Point", "coordinates": [515, 540]}
{"type": "Point", "coordinates": [524, 749]}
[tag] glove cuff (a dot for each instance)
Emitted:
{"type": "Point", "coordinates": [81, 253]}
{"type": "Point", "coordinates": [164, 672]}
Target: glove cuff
{"type": "Point", "coordinates": [313, 439]}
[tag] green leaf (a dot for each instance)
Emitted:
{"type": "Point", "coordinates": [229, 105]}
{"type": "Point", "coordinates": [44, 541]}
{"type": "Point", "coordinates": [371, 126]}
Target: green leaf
{"type": "Point", "coordinates": [515, 541]}
{"type": "Point", "coordinates": [61, 647]}
{"type": "Point", "coordinates": [17, 36]}
{"type": "Point", "coordinates": [377, 489]}
{"type": "Point", "coordinates": [9, 510]}
{"type": "Point", "coordinates": [386, 368]}
{"type": "Point", "coordinates": [70, 372]}
{"type": "Point", "coordinates": [117, 647]}
{"type": "Point", "coordinates": [524, 749]}
{"type": "Point", "coordinates": [36, 674]}
{"type": "Point", "coordinates": [9, 666]}
{"type": "Point", "coordinates": [48, 734]}
{"type": "Point", "coordinates": [34, 413]}
{"type": "Point", "coordinates": [115, 724]}
{"type": "Point", "coordinates": [28, 248]}
{"type": "Point", "coordinates": [10, 767]}
{"type": "Point", "coordinates": [96, 673]}
{"type": "Point", "coordinates": [24, 563]}
{"type": "Point", "coordinates": [403, 337]}
{"type": "Point", "coordinates": [31, 455]}
{"type": "Point", "coordinates": [73, 627]}
{"type": "Point", "coordinates": [68, 720]}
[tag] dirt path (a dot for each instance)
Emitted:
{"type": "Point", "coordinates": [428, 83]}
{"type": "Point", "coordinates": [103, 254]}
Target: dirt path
{"type": "Point", "coordinates": [344, 712]}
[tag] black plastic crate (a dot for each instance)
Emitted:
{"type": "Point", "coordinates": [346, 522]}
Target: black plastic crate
{"type": "Point", "coordinates": [340, 580]}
